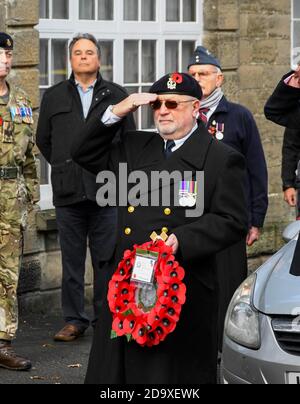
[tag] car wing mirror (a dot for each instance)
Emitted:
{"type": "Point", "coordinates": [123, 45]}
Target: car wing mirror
{"type": "Point", "coordinates": [291, 231]}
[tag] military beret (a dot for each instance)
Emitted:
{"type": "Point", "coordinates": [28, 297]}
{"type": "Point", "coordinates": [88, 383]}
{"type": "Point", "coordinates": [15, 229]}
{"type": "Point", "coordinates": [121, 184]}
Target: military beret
{"type": "Point", "coordinates": [6, 41]}
{"type": "Point", "coordinates": [177, 83]}
{"type": "Point", "coordinates": [203, 56]}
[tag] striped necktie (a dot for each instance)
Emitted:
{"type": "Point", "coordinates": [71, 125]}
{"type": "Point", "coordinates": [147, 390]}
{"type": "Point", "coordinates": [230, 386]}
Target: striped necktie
{"type": "Point", "coordinates": [203, 115]}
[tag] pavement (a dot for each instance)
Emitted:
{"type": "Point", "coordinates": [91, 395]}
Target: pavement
{"type": "Point", "coordinates": [53, 362]}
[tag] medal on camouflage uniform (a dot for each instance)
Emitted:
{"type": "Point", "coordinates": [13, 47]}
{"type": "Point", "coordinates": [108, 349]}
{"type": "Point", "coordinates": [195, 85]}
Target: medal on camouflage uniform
{"type": "Point", "coordinates": [23, 112]}
{"type": "Point", "coordinates": [188, 193]}
{"type": "Point", "coordinates": [29, 115]}
{"type": "Point", "coordinates": [25, 115]}
{"type": "Point", "coordinates": [13, 112]}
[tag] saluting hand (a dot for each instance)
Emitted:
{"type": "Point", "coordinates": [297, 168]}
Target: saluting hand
{"type": "Point", "coordinates": [173, 242]}
{"type": "Point", "coordinates": [132, 103]}
{"type": "Point", "coordinates": [295, 80]}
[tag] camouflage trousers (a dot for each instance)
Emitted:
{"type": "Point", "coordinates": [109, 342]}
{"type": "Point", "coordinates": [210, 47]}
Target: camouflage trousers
{"type": "Point", "coordinates": [10, 258]}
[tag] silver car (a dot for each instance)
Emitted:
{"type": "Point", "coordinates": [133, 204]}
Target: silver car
{"type": "Point", "coordinates": [262, 327]}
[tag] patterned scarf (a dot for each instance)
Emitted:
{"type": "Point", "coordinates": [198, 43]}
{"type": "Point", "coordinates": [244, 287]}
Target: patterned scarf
{"type": "Point", "coordinates": [213, 99]}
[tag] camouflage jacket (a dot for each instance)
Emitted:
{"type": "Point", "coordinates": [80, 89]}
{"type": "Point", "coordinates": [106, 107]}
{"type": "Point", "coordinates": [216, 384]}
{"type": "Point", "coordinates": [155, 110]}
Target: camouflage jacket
{"type": "Point", "coordinates": [16, 140]}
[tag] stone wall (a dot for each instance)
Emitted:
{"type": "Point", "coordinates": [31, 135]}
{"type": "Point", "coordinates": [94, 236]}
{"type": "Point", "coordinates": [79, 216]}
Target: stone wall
{"type": "Point", "coordinates": [252, 40]}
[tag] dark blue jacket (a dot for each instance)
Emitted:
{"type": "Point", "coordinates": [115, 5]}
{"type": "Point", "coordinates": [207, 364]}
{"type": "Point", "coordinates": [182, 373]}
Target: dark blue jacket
{"type": "Point", "coordinates": [241, 133]}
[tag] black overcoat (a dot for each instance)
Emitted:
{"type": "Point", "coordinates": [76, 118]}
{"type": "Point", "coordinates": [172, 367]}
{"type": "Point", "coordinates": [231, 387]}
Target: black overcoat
{"type": "Point", "coordinates": [188, 355]}
{"type": "Point", "coordinates": [283, 107]}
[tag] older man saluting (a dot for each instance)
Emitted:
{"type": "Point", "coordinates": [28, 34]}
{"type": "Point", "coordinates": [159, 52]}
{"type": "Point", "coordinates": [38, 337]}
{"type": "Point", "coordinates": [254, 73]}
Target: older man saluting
{"type": "Point", "coordinates": [189, 354]}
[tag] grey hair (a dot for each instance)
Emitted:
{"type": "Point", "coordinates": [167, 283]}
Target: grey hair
{"type": "Point", "coordinates": [90, 37]}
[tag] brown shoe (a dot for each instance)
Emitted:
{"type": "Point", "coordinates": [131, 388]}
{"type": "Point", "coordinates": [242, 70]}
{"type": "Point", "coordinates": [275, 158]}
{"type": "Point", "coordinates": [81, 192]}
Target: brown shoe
{"type": "Point", "coordinates": [10, 360]}
{"type": "Point", "coordinates": [69, 333]}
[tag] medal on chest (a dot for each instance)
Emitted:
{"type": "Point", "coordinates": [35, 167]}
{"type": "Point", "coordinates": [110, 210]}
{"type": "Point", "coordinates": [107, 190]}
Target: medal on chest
{"type": "Point", "coordinates": [220, 127]}
{"type": "Point", "coordinates": [217, 130]}
{"type": "Point", "coordinates": [188, 193]}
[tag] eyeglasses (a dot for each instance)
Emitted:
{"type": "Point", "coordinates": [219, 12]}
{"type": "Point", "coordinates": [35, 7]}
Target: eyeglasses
{"type": "Point", "coordinates": [156, 105]}
{"type": "Point", "coordinates": [204, 74]}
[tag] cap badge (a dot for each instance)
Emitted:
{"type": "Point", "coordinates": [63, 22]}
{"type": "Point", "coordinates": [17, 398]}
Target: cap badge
{"type": "Point", "coordinates": [174, 79]}
{"type": "Point", "coordinates": [8, 42]}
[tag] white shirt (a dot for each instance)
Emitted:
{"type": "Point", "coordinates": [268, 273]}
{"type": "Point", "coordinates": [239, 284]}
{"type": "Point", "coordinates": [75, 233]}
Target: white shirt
{"type": "Point", "coordinates": [109, 118]}
{"type": "Point", "coordinates": [180, 142]}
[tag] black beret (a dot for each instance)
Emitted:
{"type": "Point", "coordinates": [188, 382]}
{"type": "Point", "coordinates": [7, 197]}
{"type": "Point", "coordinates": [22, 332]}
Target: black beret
{"type": "Point", "coordinates": [6, 41]}
{"type": "Point", "coordinates": [177, 83]}
{"type": "Point", "coordinates": [203, 56]}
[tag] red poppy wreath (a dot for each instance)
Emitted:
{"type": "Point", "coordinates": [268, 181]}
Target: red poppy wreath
{"type": "Point", "coordinates": [147, 315]}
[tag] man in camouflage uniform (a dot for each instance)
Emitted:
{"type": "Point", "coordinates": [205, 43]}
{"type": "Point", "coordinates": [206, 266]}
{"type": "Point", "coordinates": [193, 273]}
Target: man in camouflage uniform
{"type": "Point", "coordinates": [18, 181]}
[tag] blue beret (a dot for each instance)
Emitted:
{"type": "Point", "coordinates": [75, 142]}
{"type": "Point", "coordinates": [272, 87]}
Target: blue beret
{"type": "Point", "coordinates": [177, 83]}
{"type": "Point", "coordinates": [6, 41]}
{"type": "Point", "coordinates": [202, 56]}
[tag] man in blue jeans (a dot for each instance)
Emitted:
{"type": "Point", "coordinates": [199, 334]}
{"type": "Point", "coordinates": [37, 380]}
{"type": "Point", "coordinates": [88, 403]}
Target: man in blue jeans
{"type": "Point", "coordinates": [65, 109]}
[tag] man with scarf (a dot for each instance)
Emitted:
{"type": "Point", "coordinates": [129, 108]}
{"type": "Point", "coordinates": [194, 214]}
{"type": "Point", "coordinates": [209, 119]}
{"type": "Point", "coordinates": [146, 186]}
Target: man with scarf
{"type": "Point", "coordinates": [233, 125]}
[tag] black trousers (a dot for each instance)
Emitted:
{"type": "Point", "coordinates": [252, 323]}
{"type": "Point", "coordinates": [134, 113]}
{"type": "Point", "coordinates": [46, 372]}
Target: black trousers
{"type": "Point", "coordinates": [79, 225]}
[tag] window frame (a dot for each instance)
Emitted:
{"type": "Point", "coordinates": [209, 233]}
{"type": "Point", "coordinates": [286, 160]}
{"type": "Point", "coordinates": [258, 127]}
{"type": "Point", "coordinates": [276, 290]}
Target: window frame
{"type": "Point", "coordinates": [181, 6]}
{"type": "Point", "coordinates": [51, 12]}
{"type": "Point", "coordinates": [139, 20]}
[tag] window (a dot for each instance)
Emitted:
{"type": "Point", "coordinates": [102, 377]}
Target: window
{"type": "Point", "coordinates": [54, 9]}
{"type": "Point", "coordinates": [96, 9]}
{"type": "Point", "coordinates": [177, 55]}
{"type": "Point", "coordinates": [107, 60]}
{"type": "Point", "coordinates": [295, 33]}
{"type": "Point", "coordinates": [140, 73]}
{"type": "Point", "coordinates": [139, 10]}
{"type": "Point", "coordinates": [181, 10]}
{"type": "Point", "coordinates": [53, 62]}
{"type": "Point", "coordinates": [140, 40]}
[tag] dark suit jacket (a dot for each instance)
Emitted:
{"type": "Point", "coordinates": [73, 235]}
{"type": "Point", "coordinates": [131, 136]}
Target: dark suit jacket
{"type": "Point", "coordinates": [60, 120]}
{"type": "Point", "coordinates": [241, 133]}
{"type": "Point", "coordinates": [283, 106]}
{"type": "Point", "coordinates": [189, 354]}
